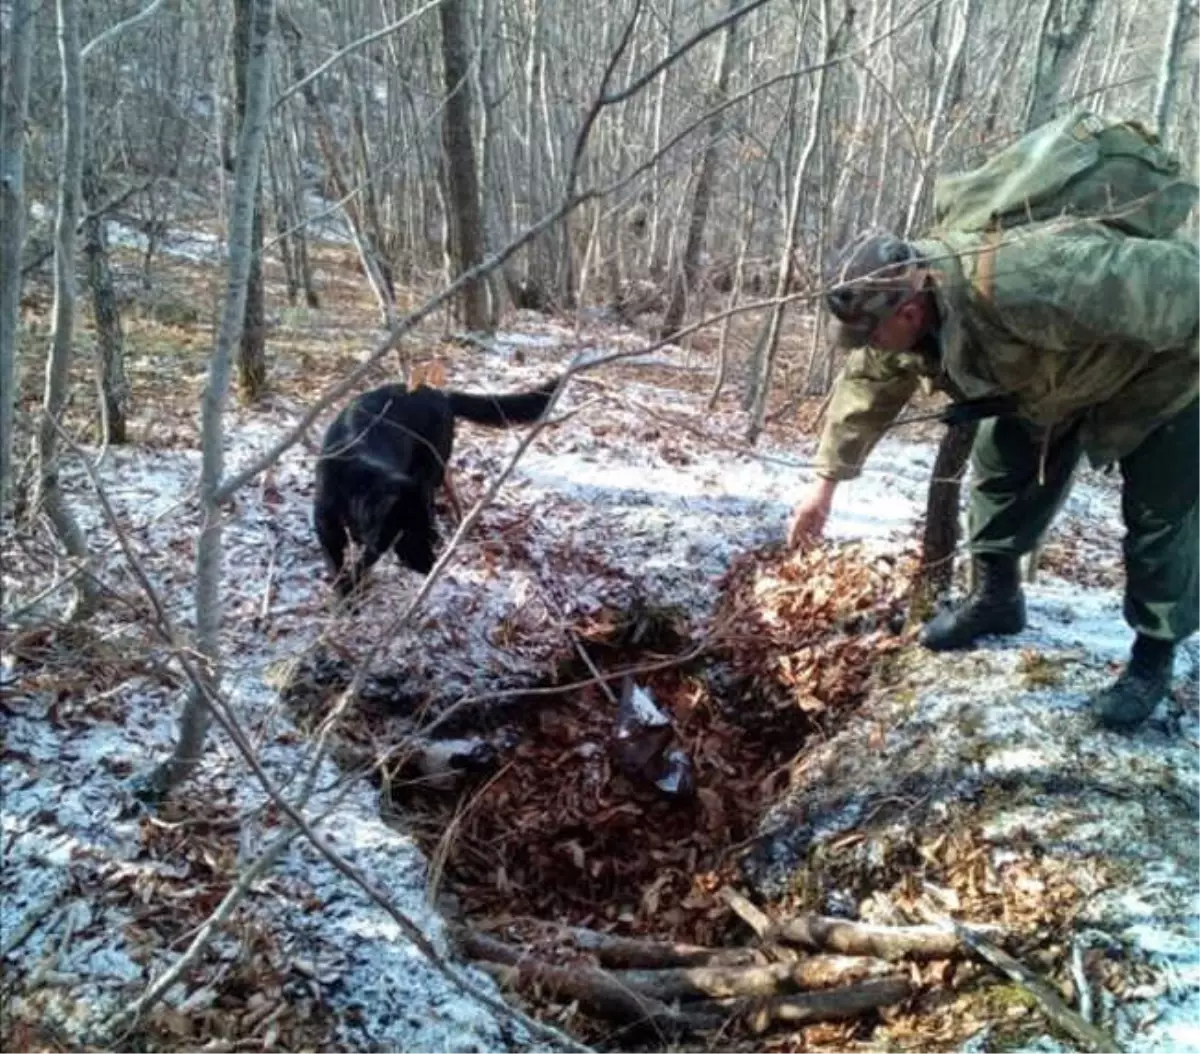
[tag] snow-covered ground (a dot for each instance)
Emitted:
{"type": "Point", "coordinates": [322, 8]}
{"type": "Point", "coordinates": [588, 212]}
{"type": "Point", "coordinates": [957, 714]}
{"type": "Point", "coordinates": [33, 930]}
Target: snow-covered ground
{"type": "Point", "coordinates": [643, 490]}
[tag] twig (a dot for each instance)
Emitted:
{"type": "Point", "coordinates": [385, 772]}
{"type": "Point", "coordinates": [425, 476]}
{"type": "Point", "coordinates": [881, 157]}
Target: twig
{"type": "Point", "coordinates": [110, 1029]}
{"type": "Point", "coordinates": [119, 28]}
{"type": "Point", "coordinates": [587, 661]}
{"type": "Point", "coordinates": [354, 45]}
{"type": "Point", "coordinates": [264, 609]}
{"type": "Point", "coordinates": [572, 686]}
{"type": "Point", "coordinates": [1083, 1032]}
{"type": "Point", "coordinates": [1082, 988]}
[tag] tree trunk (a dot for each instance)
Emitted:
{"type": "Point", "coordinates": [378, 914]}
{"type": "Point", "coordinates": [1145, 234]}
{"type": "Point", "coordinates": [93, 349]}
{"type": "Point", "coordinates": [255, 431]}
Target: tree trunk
{"type": "Point", "coordinates": [784, 269]}
{"type": "Point", "coordinates": [50, 497]}
{"type": "Point", "coordinates": [466, 220]}
{"type": "Point", "coordinates": [327, 143]}
{"type": "Point", "coordinates": [12, 220]}
{"type": "Point", "coordinates": [283, 224]}
{"type": "Point", "coordinates": [1165, 90]}
{"type": "Point", "coordinates": [110, 342]}
{"type": "Point", "coordinates": [1063, 26]}
{"type": "Point", "coordinates": [196, 715]}
{"type": "Point", "coordinates": [298, 213]}
{"type": "Point", "coordinates": [685, 279]}
{"type": "Point", "coordinates": [252, 349]}
{"type": "Point", "coordinates": [942, 103]}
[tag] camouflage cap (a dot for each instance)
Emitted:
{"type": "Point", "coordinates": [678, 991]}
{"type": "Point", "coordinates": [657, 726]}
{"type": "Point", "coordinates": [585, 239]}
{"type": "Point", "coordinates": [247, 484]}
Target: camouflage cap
{"type": "Point", "coordinates": [870, 279]}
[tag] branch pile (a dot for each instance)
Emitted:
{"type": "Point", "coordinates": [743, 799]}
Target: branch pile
{"type": "Point", "coordinates": [671, 988]}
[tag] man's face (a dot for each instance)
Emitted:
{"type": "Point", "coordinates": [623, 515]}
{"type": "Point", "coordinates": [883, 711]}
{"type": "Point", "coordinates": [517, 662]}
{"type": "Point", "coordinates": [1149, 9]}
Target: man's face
{"type": "Point", "coordinates": [900, 330]}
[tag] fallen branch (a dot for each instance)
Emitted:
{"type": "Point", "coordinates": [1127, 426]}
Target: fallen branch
{"type": "Point", "coordinates": [600, 994]}
{"type": "Point", "coordinates": [723, 982]}
{"type": "Point", "coordinates": [634, 953]}
{"type": "Point", "coordinates": [707, 644]}
{"type": "Point", "coordinates": [1087, 1035]}
{"type": "Point", "coordinates": [892, 943]}
{"type": "Point", "coordinates": [610, 950]}
{"type": "Point", "coordinates": [833, 1004]}
{"type": "Point", "coordinates": [604, 994]}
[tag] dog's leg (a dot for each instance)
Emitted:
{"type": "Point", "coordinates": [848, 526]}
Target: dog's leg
{"type": "Point", "coordinates": [331, 533]}
{"type": "Point", "coordinates": [452, 497]}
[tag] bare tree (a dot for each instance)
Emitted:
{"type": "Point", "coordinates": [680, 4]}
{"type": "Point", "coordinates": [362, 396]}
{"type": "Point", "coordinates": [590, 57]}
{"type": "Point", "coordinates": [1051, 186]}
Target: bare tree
{"type": "Point", "coordinates": [112, 383]}
{"type": "Point", "coordinates": [948, 88]}
{"type": "Point", "coordinates": [459, 168]}
{"type": "Point", "coordinates": [1062, 27]}
{"type": "Point", "coordinates": [685, 279]}
{"type": "Point", "coordinates": [1166, 90]}
{"type": "Point", "coordinates": [252, 348]}
{"type": "Point", "coordinates": [769, 340]}
{"type": "Point", "coordinates": [196, 717]}
{"type": "Point", "coordinates": [13, 112]}
{"type": "Point", "coordinates": [54, 401]}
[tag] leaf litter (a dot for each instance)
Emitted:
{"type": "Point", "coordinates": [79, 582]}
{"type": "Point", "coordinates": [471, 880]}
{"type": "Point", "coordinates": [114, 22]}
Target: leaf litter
{"type": "Point", "coordinates": [965, 764]}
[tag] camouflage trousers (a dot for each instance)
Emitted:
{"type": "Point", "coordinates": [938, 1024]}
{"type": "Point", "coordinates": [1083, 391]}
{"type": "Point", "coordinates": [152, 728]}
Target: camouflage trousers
{"type": "Point", "coordinates": [1020, 479]}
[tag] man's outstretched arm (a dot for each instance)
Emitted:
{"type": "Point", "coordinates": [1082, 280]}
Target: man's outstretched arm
{"type": "Point", "coordinates": [868, 396]}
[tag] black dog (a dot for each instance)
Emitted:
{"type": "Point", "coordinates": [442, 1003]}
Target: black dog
{"type": "Point", "coordinates": [382, 459]}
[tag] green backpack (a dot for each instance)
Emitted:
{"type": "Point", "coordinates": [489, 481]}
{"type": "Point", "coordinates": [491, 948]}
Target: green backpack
{"type": "Point", "coordinates": [1079, 165]}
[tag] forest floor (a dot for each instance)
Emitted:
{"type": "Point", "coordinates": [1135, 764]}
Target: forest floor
{"type": "Point", "coordinates": [839, 769]}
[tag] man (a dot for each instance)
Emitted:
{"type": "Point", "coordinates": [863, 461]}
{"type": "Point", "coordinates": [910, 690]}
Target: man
{"type": "Point", "coordinates": [1092, 336]}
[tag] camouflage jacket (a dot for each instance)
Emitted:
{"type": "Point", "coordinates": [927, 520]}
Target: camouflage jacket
{"type": "Point", "coordinates": [1084, 322]}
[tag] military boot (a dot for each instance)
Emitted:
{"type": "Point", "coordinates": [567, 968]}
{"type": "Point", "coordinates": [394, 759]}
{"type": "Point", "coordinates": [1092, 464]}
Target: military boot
{"type": "Point", "coordinates": [995, 605]}
{"type": "Point", "coordinates": [1146, 680]}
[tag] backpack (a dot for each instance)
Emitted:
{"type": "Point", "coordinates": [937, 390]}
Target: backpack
{"type": "Point", "coordinates": [1079, 165]}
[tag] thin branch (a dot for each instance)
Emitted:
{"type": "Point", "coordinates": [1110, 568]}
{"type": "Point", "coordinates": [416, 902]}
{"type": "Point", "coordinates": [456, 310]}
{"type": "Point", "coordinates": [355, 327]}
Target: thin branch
{"type": "Point", "coordinates": [110, 1029]}
{"type": "Point", "coordinates": [696, 38]}
{"type": "Point", "coordinates": [120, 27]}
{"type": "Point", "coordinates": [223, 715]}
{"type": "Point", "coordinates": [361, 42]}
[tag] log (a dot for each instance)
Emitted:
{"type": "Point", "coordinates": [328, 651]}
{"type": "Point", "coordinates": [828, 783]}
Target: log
{"type": "Point", "coordinates": [612, 996]}
{"type": "Point", "coordinates": [721, 982]}
{"type": "Point", "coordinates": [599, 994]}
{"type": "Point", "coordinates": [833, 1004]}
{"type": "Point", "coordinates": [611, 950]}
{"type": "Point", "coordinates": [622, 953]}
{"type": "Point", "coordinates": [892, 943]}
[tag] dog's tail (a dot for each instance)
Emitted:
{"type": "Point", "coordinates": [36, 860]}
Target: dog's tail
{"type": "Point", "coordinates": [500, 411]}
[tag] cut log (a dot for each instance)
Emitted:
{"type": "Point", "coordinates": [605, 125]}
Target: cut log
{"type": "Point", "coordinates": [599, 994]}
{"type": "Point", "coordinates": [833, 1004]}
{"type": "Point", "coordinates": [893, 943]}
{"type": "Point", "coordinates": [632, 953]}
{"type": "Point", "coordinates": [708, 982]}
{"type": "Point", "coordinates": [611, 950]}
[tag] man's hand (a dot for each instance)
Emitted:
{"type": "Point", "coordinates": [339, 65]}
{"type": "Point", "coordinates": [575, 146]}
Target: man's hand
{"type": "Point", "coordinates": [808, 517]}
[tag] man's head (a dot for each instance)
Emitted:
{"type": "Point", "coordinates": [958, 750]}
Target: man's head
{"type": "Point", "coordinates": [877, 294]}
